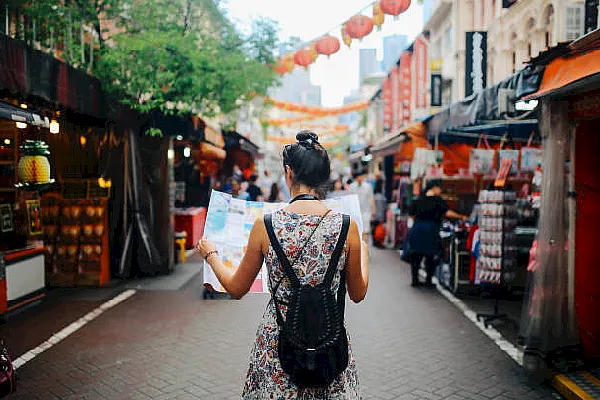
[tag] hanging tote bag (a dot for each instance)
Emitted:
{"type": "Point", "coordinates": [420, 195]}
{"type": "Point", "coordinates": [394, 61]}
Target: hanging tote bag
{"type": "Point", "coordinates": [531, 157]}
{"type": "Point", "coordinates": [481, 161]}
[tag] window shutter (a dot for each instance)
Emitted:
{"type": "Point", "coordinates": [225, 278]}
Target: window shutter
{"type": "Point", "coordinates": [574, 25]}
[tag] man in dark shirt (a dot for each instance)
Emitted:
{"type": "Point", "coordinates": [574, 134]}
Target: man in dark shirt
{"type": "Point", "coordinates": [254, 191]}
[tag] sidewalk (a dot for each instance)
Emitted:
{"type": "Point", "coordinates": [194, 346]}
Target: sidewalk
{"type": "Point", "coordinates": [170, 344]}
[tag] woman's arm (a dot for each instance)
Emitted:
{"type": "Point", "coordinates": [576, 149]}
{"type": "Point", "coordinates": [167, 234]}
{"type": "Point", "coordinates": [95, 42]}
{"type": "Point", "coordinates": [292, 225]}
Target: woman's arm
{"type": "Point", "coordinates": [238, 282]}
{"type": "Point", "coordinates": [357, 265]}
{"type": "Point", "coordinates": [455, 215]}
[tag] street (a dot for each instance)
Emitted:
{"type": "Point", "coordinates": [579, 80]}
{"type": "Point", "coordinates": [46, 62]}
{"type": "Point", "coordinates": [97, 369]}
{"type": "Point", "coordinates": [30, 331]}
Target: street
{"type": "Point", "coordinates": [170, 344]}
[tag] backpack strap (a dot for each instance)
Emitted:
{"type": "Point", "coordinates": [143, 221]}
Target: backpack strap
{"type": "Point", "coordinates": [333, 264]}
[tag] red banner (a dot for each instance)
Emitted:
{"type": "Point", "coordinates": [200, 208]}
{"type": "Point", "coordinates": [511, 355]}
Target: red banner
{"type": "Point", "coordinates": [386, 95]}
{"type": "Point", "coordinates": [420, 54]}
{"type": "Point", "coordinates": [405, 88]}
{"type": "Point", "coordinates": [395, 83]}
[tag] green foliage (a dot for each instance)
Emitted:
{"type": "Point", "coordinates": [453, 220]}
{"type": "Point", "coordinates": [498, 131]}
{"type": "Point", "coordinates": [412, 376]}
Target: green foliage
{"type": "Point", "coordinates": [154, 132]}
{"type": "Point", "coordinates": [179, 57]}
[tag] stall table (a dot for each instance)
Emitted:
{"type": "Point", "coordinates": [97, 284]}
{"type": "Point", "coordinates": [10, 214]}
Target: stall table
{"type": "Point", "coordinates": [24, 280]}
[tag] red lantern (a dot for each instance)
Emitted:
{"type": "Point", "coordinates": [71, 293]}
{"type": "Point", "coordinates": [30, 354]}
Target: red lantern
{"type": "Point", "coordinates": [328, 45]}
{"type": "Point", "coordinates": [280, 67]}
{"type": "Point", "coordinates": [394, 7]}
{"type": "Point", "coordinates": [359, 26]}
{"type": "Point", "coordinates": [304, 57]}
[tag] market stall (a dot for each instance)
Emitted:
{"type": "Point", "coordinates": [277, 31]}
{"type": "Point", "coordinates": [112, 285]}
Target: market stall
{"type": "Point", "coordinates": [241, 152]}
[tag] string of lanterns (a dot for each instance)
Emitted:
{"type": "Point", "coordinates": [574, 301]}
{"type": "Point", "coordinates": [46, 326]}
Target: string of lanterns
{"type": "Point", "coordinates": [357, 27]}
{"type": "Point", "coordinates": [317, 110]}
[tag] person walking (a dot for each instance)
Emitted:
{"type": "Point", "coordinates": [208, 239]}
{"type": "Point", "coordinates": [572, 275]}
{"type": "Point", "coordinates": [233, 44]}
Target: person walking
{"type": "Point", "coordinates": [380, 209]}
{"type": "Point", "coordinates": [255, 192]}
{"type": "Point", "coordinates": [428, 212]}
{"type": "Point", "coordinates": [307, 232]}
{"type": "Point", "coordinates": [338, 189]}
{"type": "Point", "coordinates": [275, 194]}
{"type": "Point", "coordinates": [366, 200]}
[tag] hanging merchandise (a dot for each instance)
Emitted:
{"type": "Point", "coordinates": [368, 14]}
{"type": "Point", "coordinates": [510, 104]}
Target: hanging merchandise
{"type": "Point", "coordinates": [359, 26]}
{"type": "Point", "coordinates": [482, 160]}
{"type": "Point", "coordinates": [394, 7]}
{"type": "Point", "coordinates": [34, 166]}
{"type": "Point", "coordinates": [328, 45]}
{"type": "Point", "coordinates": [531, 157]}
{"type": "Point", "coordinates": [509, 155]}
{"type": "Point", "coordinates": [378, 15]}
{"type": "Point", "coordinates": [345, 36]}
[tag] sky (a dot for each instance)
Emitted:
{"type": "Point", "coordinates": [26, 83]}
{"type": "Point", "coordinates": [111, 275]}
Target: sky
{"type": "Point", "coordinates": [309, 19]}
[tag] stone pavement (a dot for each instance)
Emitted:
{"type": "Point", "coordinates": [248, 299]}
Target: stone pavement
{"type": "Point", "coordinates": [409, 344]}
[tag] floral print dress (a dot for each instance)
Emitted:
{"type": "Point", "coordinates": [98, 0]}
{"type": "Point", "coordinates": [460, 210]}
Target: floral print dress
{"type": "Point", "coordinates": [266, 379]}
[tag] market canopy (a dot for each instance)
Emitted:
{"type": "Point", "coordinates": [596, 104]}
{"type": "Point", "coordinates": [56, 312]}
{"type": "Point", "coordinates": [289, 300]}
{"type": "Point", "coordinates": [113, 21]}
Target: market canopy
{"type": "Point", "coordinates": [12, 113]}
{"type": "Point", "coordinates": [481, 110]}
{"type": "Point", "coordinates": [389, 143]}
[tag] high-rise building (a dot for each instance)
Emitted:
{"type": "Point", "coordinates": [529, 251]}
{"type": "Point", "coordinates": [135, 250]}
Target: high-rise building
{"type": "Point", "coordinates": [393, 46]}
{"type": "Point", "coordinates": [367, 63]}
{"type": "Point", "coordinates": [427, 10]}
{"type": "Point", "coordinates": [296, 87]}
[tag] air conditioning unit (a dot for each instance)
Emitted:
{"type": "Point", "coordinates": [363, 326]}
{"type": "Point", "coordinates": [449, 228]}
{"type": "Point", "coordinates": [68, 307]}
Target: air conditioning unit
{"type": "Point", "coordinates": [506, 101]}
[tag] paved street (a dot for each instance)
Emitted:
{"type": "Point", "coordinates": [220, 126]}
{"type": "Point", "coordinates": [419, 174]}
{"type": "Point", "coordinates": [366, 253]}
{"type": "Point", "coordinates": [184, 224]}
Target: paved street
{"type": "Point", "coordinates": [171, 344]}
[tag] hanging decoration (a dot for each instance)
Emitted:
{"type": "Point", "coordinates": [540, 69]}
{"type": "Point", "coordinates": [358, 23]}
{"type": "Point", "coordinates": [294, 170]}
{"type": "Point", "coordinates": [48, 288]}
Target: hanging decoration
{"type": "Point", "coordinates": [378, 15]}
{"type": "Point", "coordinates": [394, 7]}
{"type": "Point", "coordinates": [316, 110]}
{"type": "Point", "coordinates": [359, 26]}
{"type": "Point", "coordinates": [345, 37]}
{"type": "Point", "coordinates": [305, 57]}
{"type": "Point", "coordinates": [290, 140]}
{"type": "Point", "coordinates": [356, 27]}
{"type": "Point", "coordinates": [34, 166]}
{"type": "Point", "coordinates": [327, 45]}
{"type": "Point", "coordinates": [291, 121]}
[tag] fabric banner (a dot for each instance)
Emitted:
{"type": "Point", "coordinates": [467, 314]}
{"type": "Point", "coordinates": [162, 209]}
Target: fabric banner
{"type": "Point", "coordinates": [388, 107]}
{"type": "Point", "coordinates": [395, 83]}
{"type": "Point", "coordinates": [228, 224]}
{"type": "Point", "coordinates": [509, 155]}
{"type": "Point", "coordinates": [420, 54]}
{"type": "Point", "coordinates": [481, 161]}
{"type": "Point", "coordinates": [405, 88]}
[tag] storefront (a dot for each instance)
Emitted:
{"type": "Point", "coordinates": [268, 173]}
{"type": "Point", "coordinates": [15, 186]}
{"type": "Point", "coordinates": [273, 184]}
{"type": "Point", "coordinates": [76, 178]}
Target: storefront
{"type": "Point", "coordinates": [241, 152]}
{"type": "Point", "coordinates": [563, 306]}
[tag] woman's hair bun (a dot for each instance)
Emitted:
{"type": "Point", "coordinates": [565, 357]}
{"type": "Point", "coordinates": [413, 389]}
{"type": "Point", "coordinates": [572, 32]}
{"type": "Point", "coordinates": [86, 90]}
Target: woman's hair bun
{"type": "Point", "coordinates": [307, 136]}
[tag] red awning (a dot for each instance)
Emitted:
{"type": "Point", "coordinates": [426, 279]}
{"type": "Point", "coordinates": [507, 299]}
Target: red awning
{"type": "Point", "coordinates": [565, 71]}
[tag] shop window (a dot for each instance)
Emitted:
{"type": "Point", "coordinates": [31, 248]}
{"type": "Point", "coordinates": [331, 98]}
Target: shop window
{"type": "Point", "coordinates": [574, 26]}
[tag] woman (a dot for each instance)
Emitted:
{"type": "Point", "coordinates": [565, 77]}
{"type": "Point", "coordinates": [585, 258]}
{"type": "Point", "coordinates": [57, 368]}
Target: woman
{"type": "Point", "coordinates": [307, 168]}
{"type": "Point", "coordinates": [338, 189]}
{"type": "Point", "coordinates": [238, 191]}
{"type": "Point", "coordinates": [428, 211]}
{"type": "Point", "coordinates": [275, 194]}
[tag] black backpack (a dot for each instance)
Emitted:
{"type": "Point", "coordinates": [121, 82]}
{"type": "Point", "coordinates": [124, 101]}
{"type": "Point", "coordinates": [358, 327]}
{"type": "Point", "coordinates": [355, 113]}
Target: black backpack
{"type": "Point", "coordinates": [313, 346]}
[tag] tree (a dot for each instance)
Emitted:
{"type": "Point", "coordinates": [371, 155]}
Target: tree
{"type": "Point", "coordinates": [179, 57]}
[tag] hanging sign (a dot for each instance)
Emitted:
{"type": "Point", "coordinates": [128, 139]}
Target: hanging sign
{"type": "Point", "coordinates": [395, 82]}
{"type": "Point", "coordinates": [436, 90]}
{"type": "Point", "coordinates": [420, 54]}
{"type": "Point", "coordinates": [388, 108]}
{"type": "Point", "coordinates": [591, 15]}
{"type": "Point", "coordinates": [405, 88]}
{"type": "Point", "coordinates": [476, 62]}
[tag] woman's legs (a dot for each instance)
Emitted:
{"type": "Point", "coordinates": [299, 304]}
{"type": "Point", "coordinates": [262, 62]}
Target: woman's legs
{"type": "Point", "coordinates": [415, 265]}
{"type": "Point", "coordinates": [431, 263]}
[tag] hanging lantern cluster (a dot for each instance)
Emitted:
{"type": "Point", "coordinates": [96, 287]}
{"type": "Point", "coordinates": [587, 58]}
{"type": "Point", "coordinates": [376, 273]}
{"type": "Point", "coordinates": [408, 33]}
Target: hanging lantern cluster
{"type": "Point", "coordinates": [378, 15]}
{"type": "Point", "coordinates": [328, 45]}
{"type": "Point", "coordinates": [359, 26]}
{"type": "Point", "coordinates": [394, 7]}
{"type": "Point", "coordinates": [356, 27]}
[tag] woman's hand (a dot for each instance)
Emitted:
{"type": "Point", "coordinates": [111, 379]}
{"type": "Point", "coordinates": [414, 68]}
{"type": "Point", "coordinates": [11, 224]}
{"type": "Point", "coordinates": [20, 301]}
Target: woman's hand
{"type": "Point", "coordinates": [204, 247]}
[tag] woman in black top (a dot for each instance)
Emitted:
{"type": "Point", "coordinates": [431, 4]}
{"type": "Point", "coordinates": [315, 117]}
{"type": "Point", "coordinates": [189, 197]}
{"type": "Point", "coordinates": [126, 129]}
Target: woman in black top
{"type": "Point", "coordinates": [428, 211]}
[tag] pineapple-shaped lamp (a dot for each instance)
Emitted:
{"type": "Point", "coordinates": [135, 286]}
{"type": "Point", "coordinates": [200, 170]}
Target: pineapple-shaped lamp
{"type": "Point", "coordinates": [34, 166]}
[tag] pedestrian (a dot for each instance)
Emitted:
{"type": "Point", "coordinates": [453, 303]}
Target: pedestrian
{"type": "Point", "coordinates": [428, 212]}
{"type": "Point", "coordinates": [253, 190]}
{"type": "Point", "coordinates": [237, 173]}
{"type": "Point", "coordinates": [275, 194]}
{"type": "Point", "coordinates": [307, 167]}
{"type": "Point", "coordinates": [380, 210]}
{"type": "Point", "coordinates": [366, 200]}
{"type": "Point", "coordinates": [338, 190]}
{"type": "Point", "coordinates": [285, 191]}
{"type": "Point", "coordinates": [238, 191]}
{"type": "Point", "coordinates": [266, 182]}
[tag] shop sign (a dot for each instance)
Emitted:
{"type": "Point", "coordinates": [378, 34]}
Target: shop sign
{"type": "Point", "coordinates": [405, 88]}
{"type": "Point", "coordinates": [395, 82]}
{"type": "Point", "coordinates": [386, 94]}
{"type": "Point", "coordinates": [436, 65]}
{"type": "Point", "coordinates": [591, 15]}
{"type": "Point", "coordinates": [436, 90]}
{"type": "Point", "coordinates": [420, 52]}
{"type": "Point", "coordinates": [476, 62]}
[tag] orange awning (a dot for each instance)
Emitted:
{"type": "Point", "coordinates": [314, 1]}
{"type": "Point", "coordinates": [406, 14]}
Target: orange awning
{"type": "Point", "coordinates": [389, 143]}
{"type": "Point", "coordinates": [562, 72]}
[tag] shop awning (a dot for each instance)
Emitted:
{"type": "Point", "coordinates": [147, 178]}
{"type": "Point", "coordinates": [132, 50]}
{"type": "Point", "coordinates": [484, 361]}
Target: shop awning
{"type": "Point", "coordinates": [234, 139]}
{"type": "Point", "coordinates": [578, 72]}
{"type": "Point", "coordinates": [390, 142]}
{"type": "Point", "coordinates": [13, 113]}
{"type": "Point", "coordinates": [518, 131]}
{"type": "Point", "coordinates": [481, 107]}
